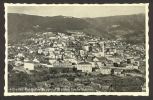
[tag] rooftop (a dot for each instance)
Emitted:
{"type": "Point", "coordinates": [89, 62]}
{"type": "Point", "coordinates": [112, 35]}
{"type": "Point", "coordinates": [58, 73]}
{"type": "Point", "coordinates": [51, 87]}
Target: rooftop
{"type": "Point", "coordinates": [85, 63]}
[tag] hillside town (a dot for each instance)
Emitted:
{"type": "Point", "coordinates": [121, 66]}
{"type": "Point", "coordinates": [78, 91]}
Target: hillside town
{"type": "Point", "coordinates": [62, 62]}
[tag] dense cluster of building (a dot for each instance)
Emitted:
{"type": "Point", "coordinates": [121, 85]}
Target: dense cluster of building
{"type": "Point", "coordinates": [88, 54]}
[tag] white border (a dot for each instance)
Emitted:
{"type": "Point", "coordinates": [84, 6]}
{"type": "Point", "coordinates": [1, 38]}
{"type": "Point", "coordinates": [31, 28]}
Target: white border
{"type": "Point", "coordinates": [6, 93]}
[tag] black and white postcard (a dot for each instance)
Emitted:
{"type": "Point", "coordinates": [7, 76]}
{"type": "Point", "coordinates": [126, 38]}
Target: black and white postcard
{"type": "Point", "coordinates": [76, 49]}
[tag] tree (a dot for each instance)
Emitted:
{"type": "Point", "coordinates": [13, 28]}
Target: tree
{"type": "Point", "coordinates": [18, 80]}
{"type": "Point", "coordinates": [70, 78]}
{"type": "Point", "coordinates": [115, 64]}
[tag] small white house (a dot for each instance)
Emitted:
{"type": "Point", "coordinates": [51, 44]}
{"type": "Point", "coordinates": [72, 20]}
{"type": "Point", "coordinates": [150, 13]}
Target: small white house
{"type": "Point", "coordinates": [72, 60]}
{"type": "Point", "coordinates": [135, 67]}
{"type": "Point", "coordinates": [59, 45]}
{"type": "Point", "coordinates": [131, 67]}
{"type": "Point", "coordinates": [51, 61]}
{"type": "Point", "coordinates": [86, 48]}
{"type": "Point", "coordinates": [20, 55]}
{"type": "Point", "coordinates": [84, 67]}
{"type": "Point", "coordinates": [30, 51]}
{"type": "Point", "coordinates": [36, 60]}
{"type": "Point", "coordinates": [29, 66]}
{"type": "Point", "coordinates": [40, 51]}
{"type": "Point", "coordinates": [49, 66]}
{"type": "Point", "coordinates": [105, 71]}
{"type": "Point", "coordinates": [82, 52]}
{"type": "Point", "coordinates": [118, 72]}
{"type": "Point", "coordinates": [52, 38]}
{"type": "Point", "coordinates": [95, 59]}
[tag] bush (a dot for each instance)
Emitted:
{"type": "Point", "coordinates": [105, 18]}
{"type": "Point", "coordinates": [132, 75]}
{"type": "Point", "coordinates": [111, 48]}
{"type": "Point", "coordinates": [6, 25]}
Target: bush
{"type": "Point", "coordinates": [128, 84]}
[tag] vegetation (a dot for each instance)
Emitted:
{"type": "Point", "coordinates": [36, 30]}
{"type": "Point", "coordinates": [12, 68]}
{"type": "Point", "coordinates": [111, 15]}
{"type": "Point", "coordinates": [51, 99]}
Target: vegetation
{"type": "Point", "coordinates": [130, 28]}
{"type": "Point", "coordinates": [58, 78]}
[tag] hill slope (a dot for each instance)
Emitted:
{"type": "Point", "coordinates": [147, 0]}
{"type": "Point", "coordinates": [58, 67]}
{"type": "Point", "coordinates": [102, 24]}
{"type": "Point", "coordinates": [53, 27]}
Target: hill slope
{"type": "Point", "coordinates": [130, 28]}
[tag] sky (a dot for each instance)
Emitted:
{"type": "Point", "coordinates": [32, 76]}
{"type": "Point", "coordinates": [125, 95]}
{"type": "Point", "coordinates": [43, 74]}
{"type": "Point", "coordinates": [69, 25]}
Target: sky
{"type": "Point", "coordinates": [77, 10]}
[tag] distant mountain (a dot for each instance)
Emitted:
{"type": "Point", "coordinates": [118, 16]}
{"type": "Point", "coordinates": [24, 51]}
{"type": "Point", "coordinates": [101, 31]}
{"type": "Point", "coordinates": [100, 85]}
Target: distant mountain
{"type": "Point", "coordinates": [130, 28]}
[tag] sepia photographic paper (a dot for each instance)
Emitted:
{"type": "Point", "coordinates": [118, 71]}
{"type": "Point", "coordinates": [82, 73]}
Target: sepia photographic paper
{"type": "Point", "coordinates": [76, 49]}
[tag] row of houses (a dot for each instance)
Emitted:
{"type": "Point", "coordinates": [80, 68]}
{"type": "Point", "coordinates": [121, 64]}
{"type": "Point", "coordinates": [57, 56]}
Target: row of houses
{"type": "Point", "coordinates": [81, 66]}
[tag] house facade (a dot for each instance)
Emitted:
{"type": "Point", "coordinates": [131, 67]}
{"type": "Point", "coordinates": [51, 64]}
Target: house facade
{"type": "Point", "coordinates": [84, 67]}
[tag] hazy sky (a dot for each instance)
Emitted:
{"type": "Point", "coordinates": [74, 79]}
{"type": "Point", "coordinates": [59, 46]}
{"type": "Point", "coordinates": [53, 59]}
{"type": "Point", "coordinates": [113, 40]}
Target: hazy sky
{"type": "Point", "coordinates": [77, 11]}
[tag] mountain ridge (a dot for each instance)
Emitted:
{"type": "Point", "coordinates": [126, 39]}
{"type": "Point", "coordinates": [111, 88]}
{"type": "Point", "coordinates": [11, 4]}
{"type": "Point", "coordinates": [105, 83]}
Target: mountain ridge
{"type": "Point", "coordinates": [128, 27]}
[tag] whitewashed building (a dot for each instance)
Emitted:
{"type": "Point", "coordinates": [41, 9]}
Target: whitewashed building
{"type": "Point", "coordinates": [29, 66]}
{"type": "Point", "coordinates": [72, 60]}
{"type": "Point", "coordinates": [86, 48]}
{"type": "Point", "coordinates": [40, 51]}
{"type": "Point", "coordinates": [84, 67]}
{"type": "Point", "coordinates": [20, 55]}
{"type": "Point", "coordinates": [51, 61]}
{"type": "Point", "coordinates": [132, 67]}
{"type": "Point", "coordinates": [118, 72]}
{"type": "Point", "coordinates": [105, 70]}
{"type": "Point", "coordinates": [36, 60]}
